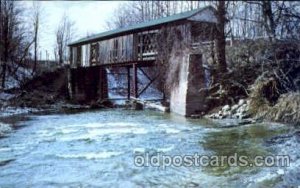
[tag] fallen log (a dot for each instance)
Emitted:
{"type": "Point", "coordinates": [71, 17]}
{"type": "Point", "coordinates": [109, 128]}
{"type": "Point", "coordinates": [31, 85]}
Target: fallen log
{"type": "Point", "coordinates": [151, 105]}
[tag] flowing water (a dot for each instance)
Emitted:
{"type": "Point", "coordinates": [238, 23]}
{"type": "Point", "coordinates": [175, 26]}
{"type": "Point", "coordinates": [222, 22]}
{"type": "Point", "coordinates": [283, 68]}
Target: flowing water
{"type": "Point", "coordinates": [97, 149]}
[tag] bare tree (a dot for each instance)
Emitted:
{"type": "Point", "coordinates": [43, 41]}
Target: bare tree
{"type": "Point", "coordinates": [36, 25]}
{"type": "Point", "coordinates": [141, 11]}
{"type": "Point", "coordinates": [7, 24]}
{"type": "Point", "coordinates": [253, 19]}
{"type": "Point", "coordinates": [13, 36]}
{"type": "Point", "coordinates": [64, 34]}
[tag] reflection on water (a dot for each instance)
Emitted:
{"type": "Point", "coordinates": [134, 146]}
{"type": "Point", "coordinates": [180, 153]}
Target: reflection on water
{"type": "Point", "coordinates": [242, 141]}
{"type": "Point", "coordinates": [97, 148]}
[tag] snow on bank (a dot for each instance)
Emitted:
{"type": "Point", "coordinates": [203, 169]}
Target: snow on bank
{"type": "Point", "coordinates": [4, 129]}
{"type": "Point", "coordinates": [6, 96]}
{"type": "Point", "coordinates": [8, 111]}
{"type": "Point", "coordinates": [16, 75]}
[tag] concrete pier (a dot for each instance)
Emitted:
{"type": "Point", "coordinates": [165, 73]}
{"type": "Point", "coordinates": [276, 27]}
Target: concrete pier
{"type": "Point", "coordinates": [186, 99]}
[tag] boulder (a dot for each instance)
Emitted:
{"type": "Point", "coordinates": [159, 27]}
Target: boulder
{"type": "Point", "coordinates": [137, 106]}
{"type": "Point", "coordinates": [234, 108]}
{"type": "Point", "coordinates": [246, 121]}
{"type": "Point", "coordinates": [196, 116]}
{"type": "Point", "coordinates": [241, 102]}
{"type": "Point", "coordinates": [227, 114]}
{"type": "Point", "coordinates": [242, 109]}
{"type": "Point", "coordinates": [226, 108]}
{"type": "Point", "coordinates": [237, 111]}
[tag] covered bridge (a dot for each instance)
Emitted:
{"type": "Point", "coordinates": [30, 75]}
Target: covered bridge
{"type": "Point", "coordinates": [133, 47]}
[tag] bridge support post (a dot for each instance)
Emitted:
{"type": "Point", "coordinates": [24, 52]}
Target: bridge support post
{"type": "Point", "coordinates": [128, 82]}
{"type": "Point", "coordinates": [135, 81]}
{"type": "Point", "coordinates": [188, 97]}
{"type": "Point", "coordinates": [70, 82]}
{"type": "Point", "coordinates": [102, 85]}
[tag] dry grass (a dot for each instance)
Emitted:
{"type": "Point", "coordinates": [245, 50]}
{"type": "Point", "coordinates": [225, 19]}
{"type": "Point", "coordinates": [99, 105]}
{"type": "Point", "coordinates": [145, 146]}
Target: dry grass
{"type": "Point", "coordinates": [286, 110]}
{"type": "Point", "coordinates": [271, 73]}
{"type": "Point", "coordinates": [286, 107]}
{"type": "Point", "coordinates": [259, 104]}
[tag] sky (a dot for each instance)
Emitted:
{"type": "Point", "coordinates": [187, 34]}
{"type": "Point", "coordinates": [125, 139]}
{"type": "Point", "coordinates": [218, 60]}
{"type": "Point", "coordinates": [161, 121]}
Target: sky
{"type": "Point", "coordinates": [90, 17]}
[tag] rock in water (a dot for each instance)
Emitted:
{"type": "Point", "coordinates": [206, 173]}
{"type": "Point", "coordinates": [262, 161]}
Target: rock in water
{"type": "Point", "coordinates": [5, 162]}
{"type": "Point", "coordinates": [196, 116]}
{"type": "Point", "coordinates": [137, 106]}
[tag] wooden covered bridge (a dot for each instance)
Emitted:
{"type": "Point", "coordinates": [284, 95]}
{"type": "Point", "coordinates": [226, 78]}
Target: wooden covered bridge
{"type": "Point", "coordinates": [133, 47]}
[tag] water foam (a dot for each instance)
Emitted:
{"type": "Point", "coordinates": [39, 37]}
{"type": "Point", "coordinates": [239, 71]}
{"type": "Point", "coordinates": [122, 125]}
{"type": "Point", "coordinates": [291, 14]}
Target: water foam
{"type": "Point", "coordinates": [91, 155]}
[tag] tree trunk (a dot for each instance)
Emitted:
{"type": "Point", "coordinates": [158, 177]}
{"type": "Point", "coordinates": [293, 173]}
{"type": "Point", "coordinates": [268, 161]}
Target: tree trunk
{"type": "Point", "coordinates": [35, 53]}
{"type": "Point", "coordinates": [269, 22]}
{"type": "Point", "coordinates": [221, 38]}
{"type": "Point", "coordinates": [3, 74]}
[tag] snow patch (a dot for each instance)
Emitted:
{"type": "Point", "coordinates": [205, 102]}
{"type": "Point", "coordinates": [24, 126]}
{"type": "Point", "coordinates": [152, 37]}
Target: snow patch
{"type": "Point", "coordinates": [13, 81]}
{"type": "Point", "coordinates": [4, 129]}
{"type": "Point", "coordinates": [8, 111]}
{"type": "Point", "coordinates": [6, 96]}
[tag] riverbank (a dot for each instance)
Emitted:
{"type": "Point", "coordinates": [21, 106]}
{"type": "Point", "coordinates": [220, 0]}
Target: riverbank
{"type": "Point", "coordinates": [262, 82]}
{"type": "Point", "coordinates": [247, 90]}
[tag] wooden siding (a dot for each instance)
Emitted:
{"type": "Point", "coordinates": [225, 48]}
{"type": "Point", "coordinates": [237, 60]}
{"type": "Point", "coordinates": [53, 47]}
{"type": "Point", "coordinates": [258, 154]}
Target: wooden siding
{"type": "Point", "coordinates": [139, 46]}
{"type": "Point", "coordinates": [119, 49]}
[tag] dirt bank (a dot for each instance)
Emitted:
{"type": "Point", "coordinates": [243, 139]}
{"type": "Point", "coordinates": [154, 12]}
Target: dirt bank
{"type": "Point", "coordinates": [42, 91]}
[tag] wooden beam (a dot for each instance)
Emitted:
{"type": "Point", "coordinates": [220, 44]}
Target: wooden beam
{"type": "Point", "coordinates": [145, 88]}
{"type": "Point", "coordinates": [103, 83]}
{"type": "Point", "coordinates": [128, 82]}
{"type": "Point", "coordinates": [117, 99]}
{"type": "Point", "coordinates": [145, 73]}
{"type": "Point", "coordinates": [135, 81]}
{"type": "Point", "coordinates": [145, 63]}
{"type": "Point", "coordinates": [135, 47]}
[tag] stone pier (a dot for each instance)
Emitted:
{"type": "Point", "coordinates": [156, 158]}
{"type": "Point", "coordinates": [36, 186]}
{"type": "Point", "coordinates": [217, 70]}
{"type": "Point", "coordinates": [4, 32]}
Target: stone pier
{"type": "Point", "coordinates": [186, 98]}
{"type": "Point", "coordinates": [87, 84]}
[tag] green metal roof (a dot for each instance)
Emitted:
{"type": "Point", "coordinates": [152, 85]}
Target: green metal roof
{"type": "Point", "coordinates": [175, 17]}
